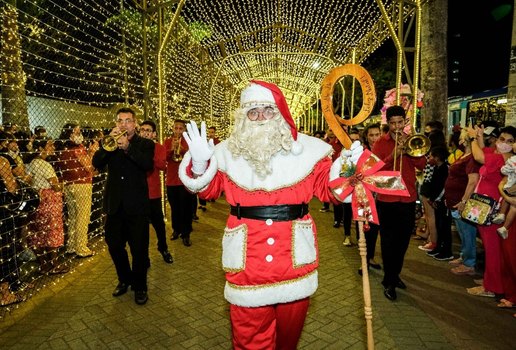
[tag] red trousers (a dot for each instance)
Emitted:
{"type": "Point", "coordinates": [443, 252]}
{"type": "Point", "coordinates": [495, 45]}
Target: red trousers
{"type": "Point", "coordinates": [272, 327]}
{"type": "Point", "coordinates": [494, 259]}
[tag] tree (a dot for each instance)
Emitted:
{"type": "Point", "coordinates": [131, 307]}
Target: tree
{"type": "Point", "coordinates": [434, 61]}
{"type": "Point", "coordinates": [14, 101]}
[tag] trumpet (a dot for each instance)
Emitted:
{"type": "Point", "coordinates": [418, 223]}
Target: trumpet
{"type": "Point", "coordinates": [177, 157]}
{"type": "Point", "coordinates": [109, 142]}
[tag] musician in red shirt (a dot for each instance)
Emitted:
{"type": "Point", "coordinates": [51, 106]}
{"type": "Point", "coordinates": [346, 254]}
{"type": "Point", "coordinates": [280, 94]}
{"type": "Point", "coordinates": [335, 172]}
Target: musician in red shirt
{"type": "Point", "coordinates": [148, 131]}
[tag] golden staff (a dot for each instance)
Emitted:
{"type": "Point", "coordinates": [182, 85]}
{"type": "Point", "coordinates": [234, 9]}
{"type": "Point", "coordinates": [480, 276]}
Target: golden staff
{"type": "Point", "coordinates": [335, 123]}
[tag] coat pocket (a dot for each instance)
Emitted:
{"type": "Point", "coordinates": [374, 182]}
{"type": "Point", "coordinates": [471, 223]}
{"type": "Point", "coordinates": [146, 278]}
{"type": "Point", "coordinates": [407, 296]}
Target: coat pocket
{"type": "Point", "coordinates": [304, 251]}
{"type": "Point", "coordinates": [234, 246]}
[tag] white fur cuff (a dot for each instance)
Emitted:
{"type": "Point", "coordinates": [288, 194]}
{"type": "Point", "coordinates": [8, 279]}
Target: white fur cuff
{"type": "Point", "coordinates": [336, 168]}
{"type": "Point", "coordinates": [201, 182]}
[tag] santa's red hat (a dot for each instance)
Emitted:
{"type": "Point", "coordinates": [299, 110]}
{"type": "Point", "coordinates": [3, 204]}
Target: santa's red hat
{"type": "Point", "coordinates": [260, 93]}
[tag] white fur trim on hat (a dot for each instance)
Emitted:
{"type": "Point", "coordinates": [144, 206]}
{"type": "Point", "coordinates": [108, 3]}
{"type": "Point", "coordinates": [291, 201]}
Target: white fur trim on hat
{"type": "Point", "coordinates": [297, 148]}
{"type": "Point", "coordinates": [256, 95]}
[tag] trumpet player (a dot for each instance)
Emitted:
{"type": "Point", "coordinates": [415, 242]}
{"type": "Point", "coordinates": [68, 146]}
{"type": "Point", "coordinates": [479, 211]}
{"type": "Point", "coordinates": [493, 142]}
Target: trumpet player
{"type": "Point", "coordinates": [126, 203]}
{"type": "Point", "coordinates": [396, 213]}
{"type": "Point", "coordinates": [180, 199]}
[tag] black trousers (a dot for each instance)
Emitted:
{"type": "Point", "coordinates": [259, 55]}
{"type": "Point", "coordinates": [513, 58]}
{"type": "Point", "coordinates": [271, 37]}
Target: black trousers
{"type": "Point", "coordinates": [371, 237]}
{"type": "Point", "coordinates": [158, 222]}
{"type": "Point", "coordinates": [443, 222]}
{"type": "Point", "coordinates": [8, 235]}
{"type": "Point", "coordinates": [180, 201]}
{"type": "Point", "coordinates": [345, 212]}
{"type": "Point", "coordinates": [132, 229]}
{"type": "Point", "coordinates": [396, 225]}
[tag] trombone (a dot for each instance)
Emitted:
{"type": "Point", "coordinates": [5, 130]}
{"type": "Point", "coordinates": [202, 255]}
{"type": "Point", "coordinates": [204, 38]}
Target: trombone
{"type": "Point", "coordinates": [416, 145]}
{"type": "Point", "coordinates": [109, 142]}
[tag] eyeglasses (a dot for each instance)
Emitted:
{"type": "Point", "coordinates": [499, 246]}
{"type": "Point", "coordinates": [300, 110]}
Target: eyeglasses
{"type": "Point", "coordinates": [146, 130]}
{"type": "Point", "coordinates": [267, 112]}
{"type": "Point", "coordinates": [124, 121]}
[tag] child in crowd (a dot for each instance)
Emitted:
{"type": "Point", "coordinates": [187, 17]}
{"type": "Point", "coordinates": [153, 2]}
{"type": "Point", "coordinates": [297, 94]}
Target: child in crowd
{"type": "Point", "coordinates": [507, 211]}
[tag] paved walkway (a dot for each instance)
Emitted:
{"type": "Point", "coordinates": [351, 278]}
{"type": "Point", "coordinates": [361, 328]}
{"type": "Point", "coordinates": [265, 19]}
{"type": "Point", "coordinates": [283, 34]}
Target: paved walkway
{"type": "Point", "coordinates": [186, 308]}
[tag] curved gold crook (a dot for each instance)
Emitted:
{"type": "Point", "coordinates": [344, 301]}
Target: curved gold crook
{"type": "Point", "coordinates": [368, 93]}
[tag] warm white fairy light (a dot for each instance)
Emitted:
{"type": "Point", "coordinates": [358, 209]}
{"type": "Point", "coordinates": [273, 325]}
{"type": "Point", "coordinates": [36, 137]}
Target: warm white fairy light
{"type": "Point", "coordinates": [73, 66]}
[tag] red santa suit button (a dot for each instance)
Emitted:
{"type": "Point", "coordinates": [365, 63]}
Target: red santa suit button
{"type": "Point", "coordinates": [269, 258]}
{"type": "Point", "coordinates": [268, 222]}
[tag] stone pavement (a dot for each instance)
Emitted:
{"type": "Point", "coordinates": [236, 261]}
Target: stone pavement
{"type": "Point", "coordinates": [186, 308]}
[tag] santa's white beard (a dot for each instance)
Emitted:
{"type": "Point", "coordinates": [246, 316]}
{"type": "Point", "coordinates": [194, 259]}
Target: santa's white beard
{"type": "Point", "coordinates": [258, 141]}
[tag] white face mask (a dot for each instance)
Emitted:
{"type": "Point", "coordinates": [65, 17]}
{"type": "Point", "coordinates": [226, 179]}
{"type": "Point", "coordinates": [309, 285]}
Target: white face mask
{"type": "Point", "coordinates": [77, 139]}
{"type": "Point", "coordinates": [502, 147]}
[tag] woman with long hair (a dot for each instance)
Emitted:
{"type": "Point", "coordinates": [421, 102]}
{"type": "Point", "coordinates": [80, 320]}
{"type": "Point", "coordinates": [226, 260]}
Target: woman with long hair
{"type": "Point", "coordinates": [492, 160]}
{"type": "Point", "coordinates": [46, 232]}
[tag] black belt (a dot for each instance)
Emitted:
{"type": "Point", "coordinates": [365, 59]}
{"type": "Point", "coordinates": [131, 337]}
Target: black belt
{"type": "Point", "coordinates": [274, 212]}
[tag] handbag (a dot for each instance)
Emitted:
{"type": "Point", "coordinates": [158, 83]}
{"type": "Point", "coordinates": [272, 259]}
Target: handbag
{"type": "Point", "coordinates": [511, 191]}
{"type": "Point", "coordinates": [480, 209]}
{"type": "Point", "coordinates": [24, 201]}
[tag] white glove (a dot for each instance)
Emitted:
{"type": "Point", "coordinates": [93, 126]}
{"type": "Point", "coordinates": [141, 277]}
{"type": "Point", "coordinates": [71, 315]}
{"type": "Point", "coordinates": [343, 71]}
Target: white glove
{"type": "Point", "coordinates": [352, 154]}
{"type": "Point", "coordinates": [356, 151]}
{"type": "Point", "coordinates": [349, 159]}
{"type": "Point", "coordinates": [200, 149]}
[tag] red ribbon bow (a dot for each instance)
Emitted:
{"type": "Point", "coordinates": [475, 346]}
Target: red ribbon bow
{"type": "Point", "coordinates": [368, 179]}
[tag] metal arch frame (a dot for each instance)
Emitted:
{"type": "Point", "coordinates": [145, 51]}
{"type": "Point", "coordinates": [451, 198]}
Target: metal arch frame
{"type": "Point", "coordinates": [391, 24]}
{"type": "Point", "coordinates": [238, 86]}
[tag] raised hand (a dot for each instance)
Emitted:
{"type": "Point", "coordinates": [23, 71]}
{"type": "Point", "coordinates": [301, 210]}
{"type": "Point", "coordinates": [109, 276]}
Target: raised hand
{"type": "Point", "coordinates": [201, 150]}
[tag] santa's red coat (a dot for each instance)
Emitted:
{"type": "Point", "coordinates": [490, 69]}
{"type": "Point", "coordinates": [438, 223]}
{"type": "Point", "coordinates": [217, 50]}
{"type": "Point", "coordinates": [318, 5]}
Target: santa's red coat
{"type": "Point", "coordinates": [268, 262]}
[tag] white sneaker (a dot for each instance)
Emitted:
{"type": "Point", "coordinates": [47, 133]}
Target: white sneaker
{"type": "Point", "coordinates": [498, 219]}
{"type": "Point", "coordinates": [347, 242]}
{"type": "Point", "coordinates": [502, 232]}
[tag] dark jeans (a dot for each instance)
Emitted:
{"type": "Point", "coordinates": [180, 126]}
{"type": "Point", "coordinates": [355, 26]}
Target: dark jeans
{"type": "Point", "coordinates": [121, 229]}
{"type": "Point", "coordinates": [158, 222]}
{"type": "Point", "coordinates": [181, 205]}
{"type": "Point", "coordinates": [396, 225]}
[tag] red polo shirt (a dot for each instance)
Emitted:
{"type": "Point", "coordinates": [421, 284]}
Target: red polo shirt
{"type": "Point", "coordinates": [160, 164]}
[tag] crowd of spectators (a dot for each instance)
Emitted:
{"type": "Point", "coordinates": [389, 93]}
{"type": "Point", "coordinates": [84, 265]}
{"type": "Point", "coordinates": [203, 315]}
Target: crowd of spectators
{"type": "Point", "coordinates": [68, 216]}
{"type": "Point", "coordinates": [479, 159]}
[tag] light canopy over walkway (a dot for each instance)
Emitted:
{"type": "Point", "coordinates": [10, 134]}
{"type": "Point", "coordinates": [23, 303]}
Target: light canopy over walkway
{"type": "Point", "coordinates": [186, 58]}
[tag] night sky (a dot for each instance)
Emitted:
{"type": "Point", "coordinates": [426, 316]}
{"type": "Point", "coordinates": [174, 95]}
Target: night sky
{"type": "Point", "coordinates": [479, 40]}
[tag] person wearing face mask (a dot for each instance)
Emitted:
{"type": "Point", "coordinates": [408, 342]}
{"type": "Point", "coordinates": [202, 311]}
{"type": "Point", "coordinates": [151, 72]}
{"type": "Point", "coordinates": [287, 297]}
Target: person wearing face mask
{"type": "Point", "coordinates": [507, 211]}
{"type": "Point", "coordinates": [76, 171]}
{"type": "Point", "coordinates": [460, 184]}
{"type": "Point", "coordinates": [492, 161]}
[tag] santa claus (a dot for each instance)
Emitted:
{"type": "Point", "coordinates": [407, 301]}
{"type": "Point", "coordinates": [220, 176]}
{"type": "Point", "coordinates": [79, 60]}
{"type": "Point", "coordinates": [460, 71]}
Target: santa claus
{"type": "Point", "coordinates": [269, 173]}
